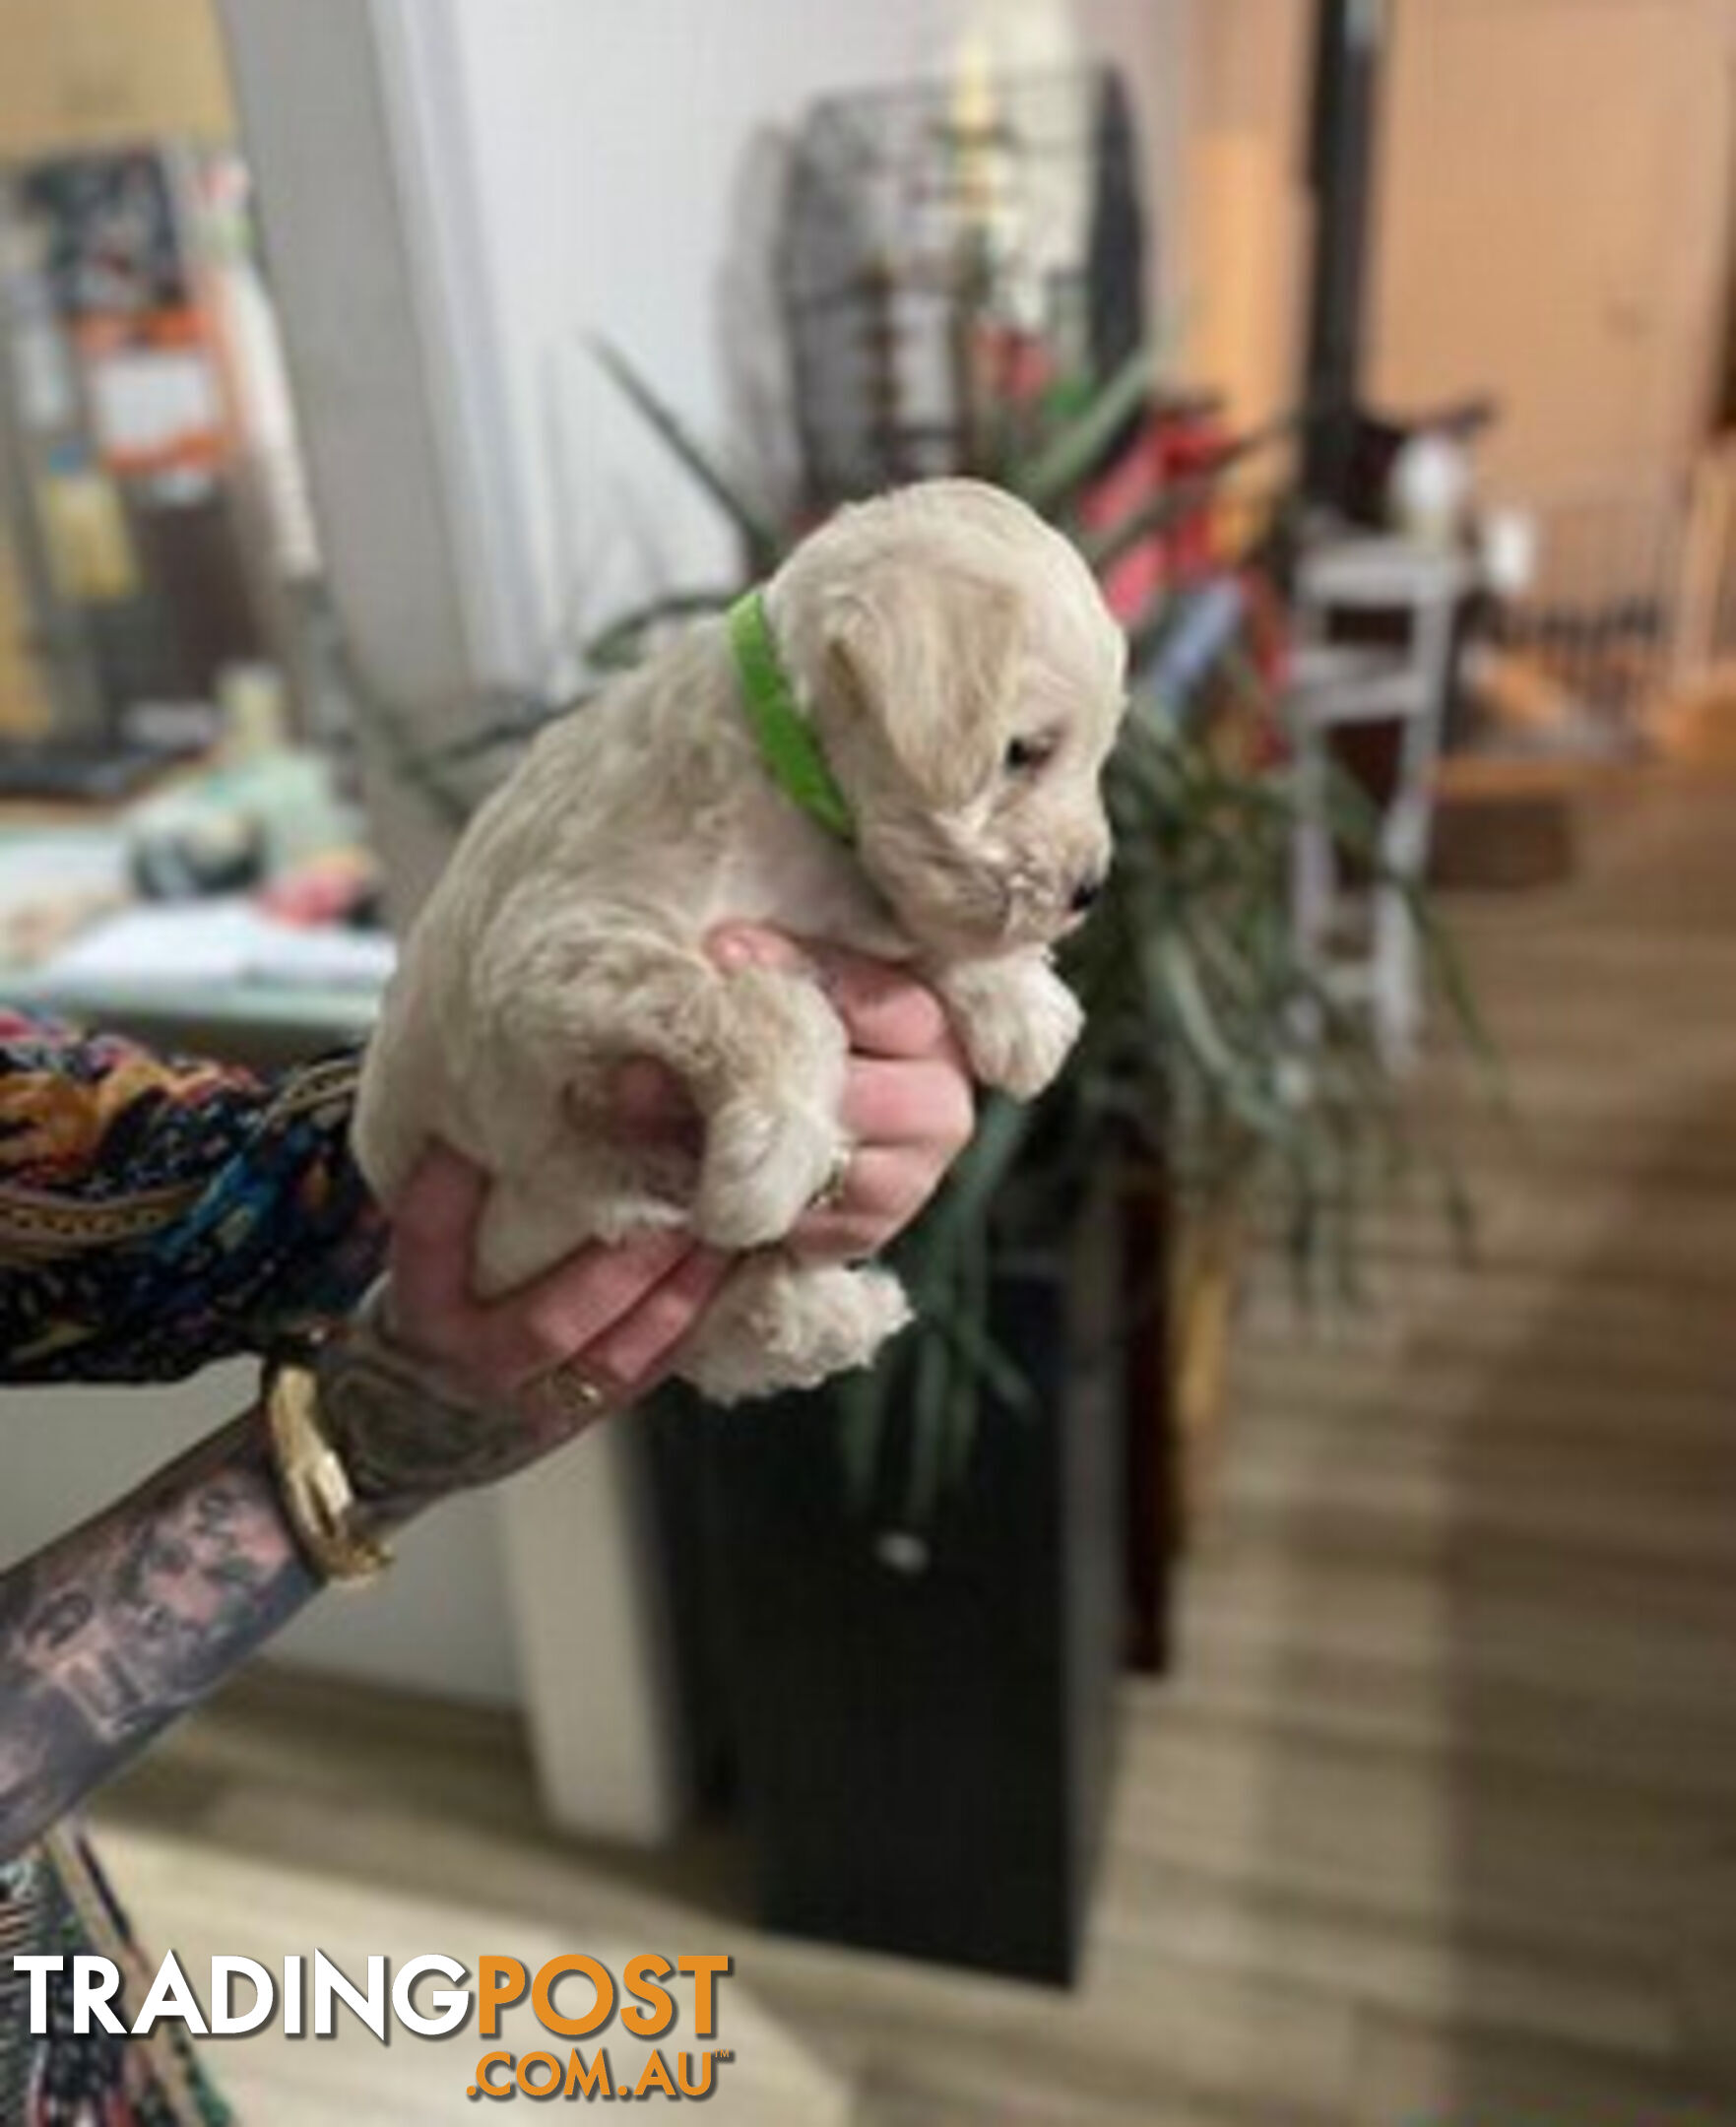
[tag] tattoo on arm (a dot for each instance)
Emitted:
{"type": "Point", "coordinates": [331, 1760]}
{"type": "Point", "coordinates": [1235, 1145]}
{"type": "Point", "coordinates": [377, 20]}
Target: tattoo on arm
{"type": "Point", "coordinates": [409, 1435]}
{"type": "Point", "coordinates": [109, 1634]}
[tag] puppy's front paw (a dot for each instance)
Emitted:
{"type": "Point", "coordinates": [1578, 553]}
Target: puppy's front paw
{"type": "Point", "coordinates": [780, 1324]}
{"type": "Point", "coordinates": [1017, 1023]}
{"type": "Point", "coordinates": [762, 1169]}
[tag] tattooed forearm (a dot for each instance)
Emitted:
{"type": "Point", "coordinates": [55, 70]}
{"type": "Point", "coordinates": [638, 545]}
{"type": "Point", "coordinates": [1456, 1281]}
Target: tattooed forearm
{"type": "Point", "coordinates": [109, 1634]}
{"type": "Point", "coordinates": [408, 1435]}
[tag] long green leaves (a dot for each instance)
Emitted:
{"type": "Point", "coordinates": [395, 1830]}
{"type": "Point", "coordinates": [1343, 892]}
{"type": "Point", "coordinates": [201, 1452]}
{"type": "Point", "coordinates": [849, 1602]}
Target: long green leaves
{"type": "Point", "coordinates": [761, 540]}
{"type": "Point", "coordinates": [1049, 482]}
{"type": "Point", "coordinates": [624, 642]}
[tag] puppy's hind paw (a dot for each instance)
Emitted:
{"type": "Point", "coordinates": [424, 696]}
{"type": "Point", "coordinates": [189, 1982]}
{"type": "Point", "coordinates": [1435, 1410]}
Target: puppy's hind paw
{"type": "Point", "coordinates": [780, 1324]}
{"type": "Point", "coordinates": [762, 1169]}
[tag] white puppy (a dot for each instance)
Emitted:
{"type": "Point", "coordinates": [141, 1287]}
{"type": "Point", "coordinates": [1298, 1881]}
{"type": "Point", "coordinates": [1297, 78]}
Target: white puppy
{"type": "Point", "coordinates": [897, 748]}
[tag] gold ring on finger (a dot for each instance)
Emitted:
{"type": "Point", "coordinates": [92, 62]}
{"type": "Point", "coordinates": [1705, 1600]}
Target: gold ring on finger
{"type": "Point", "coordinates": [831, 1191]}
{"type": "Point", "coordinates": [569, 1389]}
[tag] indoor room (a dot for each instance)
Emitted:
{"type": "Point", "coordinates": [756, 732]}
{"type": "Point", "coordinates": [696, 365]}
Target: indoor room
{"type": "Point", "coordinates": [866, 893]}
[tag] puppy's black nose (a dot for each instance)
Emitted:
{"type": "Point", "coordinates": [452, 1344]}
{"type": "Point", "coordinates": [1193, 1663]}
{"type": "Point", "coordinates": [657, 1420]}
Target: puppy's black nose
{"type": "Point", "coordinates": [1085, 894]}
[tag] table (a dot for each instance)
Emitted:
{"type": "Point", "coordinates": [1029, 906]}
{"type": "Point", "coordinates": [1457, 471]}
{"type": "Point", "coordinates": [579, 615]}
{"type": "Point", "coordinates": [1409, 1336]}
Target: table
{"type": "Point", "coordinates": [248, 1018]}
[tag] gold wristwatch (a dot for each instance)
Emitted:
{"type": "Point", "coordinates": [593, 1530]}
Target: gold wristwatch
{"type": "Point", "coordinates": [318, 1497]}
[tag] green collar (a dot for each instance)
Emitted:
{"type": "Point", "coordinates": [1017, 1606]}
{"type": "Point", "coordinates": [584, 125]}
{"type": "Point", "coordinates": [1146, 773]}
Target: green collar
{"type": "Point", "coordinates": [786, 743]}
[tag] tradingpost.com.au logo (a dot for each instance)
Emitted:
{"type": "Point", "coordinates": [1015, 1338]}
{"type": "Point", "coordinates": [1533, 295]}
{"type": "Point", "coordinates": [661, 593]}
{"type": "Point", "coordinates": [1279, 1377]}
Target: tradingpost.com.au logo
{"type": "Point", "coordinates": [644, 1995]}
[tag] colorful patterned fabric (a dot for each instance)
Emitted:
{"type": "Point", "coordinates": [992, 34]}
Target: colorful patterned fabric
{"type": "Point", "coordinates": [156, 1213]}
{"type": "Point", "coordinates": [159, 1212]}
{"type": "Point", "coordinates": [59, 1900]}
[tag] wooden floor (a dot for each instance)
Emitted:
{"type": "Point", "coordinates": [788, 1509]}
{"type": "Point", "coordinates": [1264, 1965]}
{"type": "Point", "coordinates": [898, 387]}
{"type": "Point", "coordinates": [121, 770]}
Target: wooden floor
{"type": "Point", "coordinates": [1436, 1823]}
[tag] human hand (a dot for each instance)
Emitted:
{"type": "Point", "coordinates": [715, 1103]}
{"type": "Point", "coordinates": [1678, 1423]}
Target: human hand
{"type": "Point", "coordinates": [616, 1314]}
{"type": "Point", "coordinates": [907, 1108]}
{"type": "Point", "coordinates": [448, 1392]}
{"type": "Point", "coordinates": [487, 1386]}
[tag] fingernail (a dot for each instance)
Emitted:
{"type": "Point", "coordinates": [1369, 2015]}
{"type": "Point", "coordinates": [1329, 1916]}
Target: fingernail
{"type": "Point", "coordinates": [731, 950]}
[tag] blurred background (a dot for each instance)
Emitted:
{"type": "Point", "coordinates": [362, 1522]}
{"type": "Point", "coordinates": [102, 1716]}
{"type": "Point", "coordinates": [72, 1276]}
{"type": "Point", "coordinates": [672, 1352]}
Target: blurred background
{"type": "Point", "coordinates": [1264, 1647]}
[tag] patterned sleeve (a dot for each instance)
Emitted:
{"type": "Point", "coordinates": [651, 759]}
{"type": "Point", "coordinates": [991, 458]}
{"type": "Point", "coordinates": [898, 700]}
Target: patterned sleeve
{"type": "Point", "coordinates": [157, 1212]}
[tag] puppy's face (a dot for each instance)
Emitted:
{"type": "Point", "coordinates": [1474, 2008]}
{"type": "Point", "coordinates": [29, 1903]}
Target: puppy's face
{"type": "Point", "coordinates": [975, 683]}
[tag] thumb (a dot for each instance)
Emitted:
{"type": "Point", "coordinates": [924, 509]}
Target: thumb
{"type": "Point", "coordinates": [734, 946]}
{"type": "Point", "coordinates": [432, 1225]}
{"type": "Point", "coordinates": [886, 1011]}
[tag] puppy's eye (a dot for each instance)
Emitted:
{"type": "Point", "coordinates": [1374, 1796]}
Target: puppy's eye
{"type": "Point", "coordinates": [1024, 756]}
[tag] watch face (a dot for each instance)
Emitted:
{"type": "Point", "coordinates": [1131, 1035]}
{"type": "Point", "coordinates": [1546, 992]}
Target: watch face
{"type": "Point", "coordinates": [405, 1432]}
{"type": "Point", "coordinates": [361, 1401]}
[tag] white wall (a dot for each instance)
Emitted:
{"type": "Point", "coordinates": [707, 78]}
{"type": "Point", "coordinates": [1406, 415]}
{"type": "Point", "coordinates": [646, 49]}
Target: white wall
{"type": "Point", "coordinates": [604, 146]}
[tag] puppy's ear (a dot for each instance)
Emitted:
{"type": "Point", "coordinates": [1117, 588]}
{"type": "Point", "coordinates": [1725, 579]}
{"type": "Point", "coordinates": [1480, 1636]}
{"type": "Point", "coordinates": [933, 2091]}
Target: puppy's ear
{"type": "Point", "coordinates": [930, 656]}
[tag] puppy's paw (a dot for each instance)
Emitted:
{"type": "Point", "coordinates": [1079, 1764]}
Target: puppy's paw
{"type": "Point", "coordinates": [780, 1324]}
{"type": "Point", "coordinates": [762, 1169]}
{"type": "Point", "coordinates": [1017, 1023]}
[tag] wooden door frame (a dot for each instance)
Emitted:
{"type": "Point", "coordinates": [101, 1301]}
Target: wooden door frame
{"type": "Point", "coordinates": [353, 126]}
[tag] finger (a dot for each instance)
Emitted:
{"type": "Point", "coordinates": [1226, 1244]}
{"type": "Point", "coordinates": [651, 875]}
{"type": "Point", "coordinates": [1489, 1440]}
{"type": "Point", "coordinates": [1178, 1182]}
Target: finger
{"type": "Point", "coordinates": [886, 1011]}
{"type": "Point", "coordinates": [532, 1331]}
{"type": "Point", "coordinates": [885, 1190]}
{"type": "Point", "coordinates": [644, 1338]}
{"type": "Point", "coordinates": [434, 1226]}
{"type": "Point", "coordinates": [920, 1103]}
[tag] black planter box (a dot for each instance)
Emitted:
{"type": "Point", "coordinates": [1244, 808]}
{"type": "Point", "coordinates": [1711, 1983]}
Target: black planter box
{"type": "Point", "coordinates": [918, 1726]}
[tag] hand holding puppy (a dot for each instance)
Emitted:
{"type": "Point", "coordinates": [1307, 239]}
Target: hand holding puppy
{"type": "Point", "coordinates": [894, 745]}
{"type": "Point", "coordinates": [620, 1315]}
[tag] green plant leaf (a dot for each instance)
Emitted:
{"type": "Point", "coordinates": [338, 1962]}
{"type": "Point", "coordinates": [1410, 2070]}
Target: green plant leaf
{"type": "Point", "coordinates": [620, 645]}
{"type": "Point", "coordinates": [1050, 481]}
{"type": "Point", "coordinates": [1185, 496]}
{"type": "Point", "coordinates": [760, 538]}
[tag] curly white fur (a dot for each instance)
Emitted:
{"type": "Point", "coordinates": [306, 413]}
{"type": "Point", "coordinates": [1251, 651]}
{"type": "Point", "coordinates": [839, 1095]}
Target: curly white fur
{"type": "Point", "coordinates": [965, 683]}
